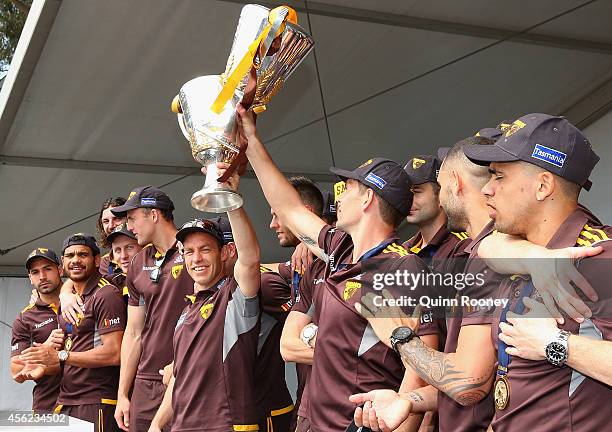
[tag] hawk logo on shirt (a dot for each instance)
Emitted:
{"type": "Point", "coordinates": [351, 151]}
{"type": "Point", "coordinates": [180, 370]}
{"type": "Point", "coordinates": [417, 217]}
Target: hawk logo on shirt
{"type": "Point", "coordinates": [176, 270]}
{"type": "Point", "coordinates": [516, 126]}
{"type": "Point", "coordinates": [179, 259]}
{"type": "Point", "coordinates": [350, 289]}
{"type": "Point", "coordinates": [417, 163]}
{"type": "Point", "coordinates": [206, 310]}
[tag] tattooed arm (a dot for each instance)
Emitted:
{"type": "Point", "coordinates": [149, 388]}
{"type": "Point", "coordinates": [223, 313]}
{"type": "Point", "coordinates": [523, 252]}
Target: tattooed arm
{"type": "Point", "coordinates": [465, 375]}
{"type": "Point", "coordinates": [280, 194]}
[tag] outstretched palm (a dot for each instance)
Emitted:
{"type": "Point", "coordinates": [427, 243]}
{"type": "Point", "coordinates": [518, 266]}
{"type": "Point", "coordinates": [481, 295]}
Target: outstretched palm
{"type": "Point", "coordinates": [382, 408]}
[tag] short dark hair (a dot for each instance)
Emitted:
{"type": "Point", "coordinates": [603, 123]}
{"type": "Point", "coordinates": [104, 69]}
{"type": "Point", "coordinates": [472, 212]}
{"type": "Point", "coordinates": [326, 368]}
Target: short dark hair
{"type": "Point", "coordinates": [477, 172]}
{"type": "Point", "coordinates": [389, 214]}
{"type": "Point", "coordinates": [166, 213]}
{"type": "Point", "coordinates": [108, 202]}
{"type": "Point", "coordinates": [310, 194]}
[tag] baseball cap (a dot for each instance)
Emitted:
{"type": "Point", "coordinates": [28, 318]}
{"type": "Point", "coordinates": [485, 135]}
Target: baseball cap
{"type": "Point", "coordinates": [42, 253]}
{"type": "Point", "coordinates": [496, 132]}
{"type": "Point", "coordinates": [550, 142]}
{"type": "Point", "coordinates": [144, 197]}
{"type": "Point", "coordinates": [120, 230]}
{"type": "Point", "coordinates": [200, 225]}
{"type": "Point", "coordinates": [423, 169]}
{"type": "Point", "coordinates": [386, 178]}
{"type": "Point", "coordinates": [442, 152]}
{"type": "Point", "coordinates": [223, 224]}
{"type": "Point", "coordinates": [329, 205]}
{"type": "Point", "coordinates": [81, 239]}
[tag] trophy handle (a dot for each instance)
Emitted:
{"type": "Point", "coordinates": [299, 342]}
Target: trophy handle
{"type": "Point", "coordinates": [181, 122]}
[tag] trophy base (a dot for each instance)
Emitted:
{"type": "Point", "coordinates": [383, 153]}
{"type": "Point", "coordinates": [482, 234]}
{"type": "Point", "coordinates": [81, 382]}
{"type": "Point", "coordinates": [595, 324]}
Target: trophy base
{"type": "Point", "coordinates": [216, 200]}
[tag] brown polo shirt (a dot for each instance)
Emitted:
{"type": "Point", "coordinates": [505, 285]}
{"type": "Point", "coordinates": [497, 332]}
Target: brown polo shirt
{"type": "Point", "coordinates": [35, 324]}
{"type": "Point", "coordinates": [118, 279]}
{"type": "Point", "coordinates": [452, 415]}
{"type": "Point", "coordinates": [311, 281]}
{"type": "Point", "coordinates": [163, 300]}
{"type": "Point", "coordinates": [215, 350]}
{"type": "Point", "coordinates": [349, 358]}
{"type": "Point", "coordinates": [550, 398]}
{"type": "Point", "coordinates": [445, 245]}
{"type": "Point", "coordinates": [272, 396]}
{"type": "Point", "coordinates": [107, 266]}
{"type": "Point", "coordinates": [104, 312]}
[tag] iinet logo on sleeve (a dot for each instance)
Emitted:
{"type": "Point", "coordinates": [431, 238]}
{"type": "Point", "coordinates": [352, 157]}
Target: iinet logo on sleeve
{"type": "Point", "coordinates": [109, 322]}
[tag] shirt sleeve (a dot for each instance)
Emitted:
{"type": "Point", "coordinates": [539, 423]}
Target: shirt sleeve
{"type": "Point", "coordinates": [275, 294]}
{"type": "Point", "coordinates": [109, 310]}
{"type": "Point", "coordinates": [284, 270]}
{"type": "Point", "coordinates": [597, 272]}
{"type": "Point", "coordinates": [328, 238]}
{"type": "Point", "coordinates": [303, 301]}
{"type": "Point", "coordinates": [133, 294]}
{"type": "Point", "coordinates": [21, 337]}
{"type": "Point", "coordinates": [486, 285]}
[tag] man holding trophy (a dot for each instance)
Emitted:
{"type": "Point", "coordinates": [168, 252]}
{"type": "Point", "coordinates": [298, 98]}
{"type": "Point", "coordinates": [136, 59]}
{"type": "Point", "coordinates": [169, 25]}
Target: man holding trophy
{"type": "Point", "coordinates": [215, 340]}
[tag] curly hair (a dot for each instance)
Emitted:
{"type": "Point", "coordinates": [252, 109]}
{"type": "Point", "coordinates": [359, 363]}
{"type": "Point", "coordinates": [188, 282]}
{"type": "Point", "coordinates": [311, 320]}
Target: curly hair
{"type": "Point", "coordinates": [109, 202]}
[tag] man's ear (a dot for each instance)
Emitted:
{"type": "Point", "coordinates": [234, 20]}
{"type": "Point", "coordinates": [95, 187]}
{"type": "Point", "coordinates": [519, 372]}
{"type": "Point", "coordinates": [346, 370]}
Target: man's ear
{"type": "Point", "coordinates": [60, 269]}
{"type": "Point", "coordinates": [97, 260]}
{"type": "Point", "coordinates": [545, 185]}
{"type": "Point", "coordinates": [225, 253]}
{"type": "Point", "coordinates": [456, 183]}
{"type": "Point", "coordinates": [368, 199]}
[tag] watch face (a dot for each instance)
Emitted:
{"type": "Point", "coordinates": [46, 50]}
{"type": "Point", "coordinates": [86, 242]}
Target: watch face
{"type": "Point", "coordinates": [402, 333]}
{"type": "Point", "coordinates": [309, 332]}
{"type": "Point", "coordinates": [556, 353]}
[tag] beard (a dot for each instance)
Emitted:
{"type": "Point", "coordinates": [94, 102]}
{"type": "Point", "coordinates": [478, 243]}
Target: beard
{"type": "Point", "coordinates": [455, 213]}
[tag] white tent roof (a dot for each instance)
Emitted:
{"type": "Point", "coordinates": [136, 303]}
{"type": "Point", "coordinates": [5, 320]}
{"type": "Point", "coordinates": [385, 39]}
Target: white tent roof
{"type": "Point", "coordinates": [85, 107]}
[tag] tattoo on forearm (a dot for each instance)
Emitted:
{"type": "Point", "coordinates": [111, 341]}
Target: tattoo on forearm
{"type": "Point", "coordinates": [415, 397]}
{"type": "Point", "coordinates": [307, 240]}
{"type": "Point", "coordinates": [438, 370]}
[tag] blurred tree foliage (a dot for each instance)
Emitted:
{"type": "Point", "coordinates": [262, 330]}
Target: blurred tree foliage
{"type": "Point", "coordinates": [13, 14]}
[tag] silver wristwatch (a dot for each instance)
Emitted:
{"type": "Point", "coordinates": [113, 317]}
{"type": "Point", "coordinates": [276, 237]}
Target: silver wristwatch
{"type": "Point", "coordinates": [308, 334]}
{"type": "Point", "coordinates": [62, 356]}
{"type": "Point", "coordinates": [557, 350]}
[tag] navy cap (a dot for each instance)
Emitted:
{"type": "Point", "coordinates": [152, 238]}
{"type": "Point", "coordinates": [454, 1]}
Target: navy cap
{"type": "Point", "coordinates": [42, 253]}
{"type": "Point", "coordinates": [550, 142]}
{"type": "Point", "coordinates": [144, 197]}
{"type": "Point", "coordinates": [120, 230]}
{"type": "Point", "coordinates": [423, 169]}
{"type": "Point", "coordinates": [224, 225]}
{"type": "Point", "coordinates": [329, 206]}
{"type": "Point", "coordinates": [386, 178]}
{"type": "Point", "coordinates": [200, 225]}
{"type": "Point", "coordinates": [81, 239]}
{"type": "Point", "coordinates": [442, 152]}
{"type": "Point", "coordinates": [496, 132]}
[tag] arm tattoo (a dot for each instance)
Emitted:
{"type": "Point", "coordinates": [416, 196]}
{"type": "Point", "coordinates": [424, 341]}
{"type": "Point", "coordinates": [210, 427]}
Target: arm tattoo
{"type": "Point", "coordinates": [438, 370]}
{"type": "Point", "coordinates": [307, 240]}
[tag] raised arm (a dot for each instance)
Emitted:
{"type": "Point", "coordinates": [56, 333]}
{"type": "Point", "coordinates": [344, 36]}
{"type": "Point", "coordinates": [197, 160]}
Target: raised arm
{"type": "Point", "coordinates": [281, 196]}
{"type": "Point", "coordinates": [552, 270]}
{"type": "Point", "coordinates": [246, 270]}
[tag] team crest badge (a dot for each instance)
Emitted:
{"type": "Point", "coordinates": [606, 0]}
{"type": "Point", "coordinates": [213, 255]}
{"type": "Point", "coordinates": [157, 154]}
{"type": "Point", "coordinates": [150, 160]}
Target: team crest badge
{"type": "Point", "coordinates": [366, 163]}
{"type": "Point", "coordinates": [417, 163]}
{"type": "Point", "coordinates": [176, 270]}
{"type": "Point", "coordinates": [515, 127]}
{"type": "Point", "coordinates": [350, 289]}
{"type": "Point", "coordinates": [206, 310]}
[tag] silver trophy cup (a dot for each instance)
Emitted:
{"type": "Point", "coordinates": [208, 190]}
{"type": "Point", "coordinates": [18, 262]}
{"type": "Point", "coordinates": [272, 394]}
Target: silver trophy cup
{"type": "Point", "coordinates": [206, 105]}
